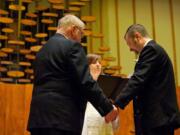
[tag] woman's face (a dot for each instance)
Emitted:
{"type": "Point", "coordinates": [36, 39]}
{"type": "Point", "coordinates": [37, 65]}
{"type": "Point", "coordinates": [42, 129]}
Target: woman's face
{"type": "Point", "coordinates": [96, 65]}
{"type": "Point", "coordinates": [95, 69]}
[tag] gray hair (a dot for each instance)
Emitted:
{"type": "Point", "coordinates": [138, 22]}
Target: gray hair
{"type": "Point", "coordinates": [136, 28]}
{"type": "Point", "coordinates": [69, 20]}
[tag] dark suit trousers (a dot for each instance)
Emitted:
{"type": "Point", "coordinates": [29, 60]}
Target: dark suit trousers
{"type": "Point", "coordinates": [51, 131]}
{"type": "Point", "coordinates": [164, 130]}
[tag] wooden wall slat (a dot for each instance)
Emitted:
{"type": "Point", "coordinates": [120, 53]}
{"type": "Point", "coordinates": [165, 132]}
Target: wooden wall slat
{"type": "Point", "coordinates": [28, 95]}
{"type": "Point", "coordinates": [126, 121]}
{"type": "Point", "coordinates": [177, 132]}
{"type": "Point", "coordinates": [14, 109]}
{"type": "Point", "coordinates": [2, 109]}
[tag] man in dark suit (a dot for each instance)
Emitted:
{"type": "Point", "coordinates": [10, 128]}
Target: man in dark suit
{"type": "Point", "coordinates": [152, 86]}
{"type": "Point", "coordinates": [63, 84]}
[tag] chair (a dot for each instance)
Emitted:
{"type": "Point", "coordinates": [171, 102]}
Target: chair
{"type": "Point", "coordinates": [6, 79]}
{"type": "Point", "coordinates": [3, 12]}
{"type": "Point", "coordinates": [88, 19]}
{"type": "Point", "coordinates": [6, 20]}
{"type": "Point", "coordinates": [36, 48]}
{"type": "Point", "coordinates": [15, 74]}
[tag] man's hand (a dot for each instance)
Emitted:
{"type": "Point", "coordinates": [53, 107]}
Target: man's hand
{"type": "Point", "coordinates": [111, 115]}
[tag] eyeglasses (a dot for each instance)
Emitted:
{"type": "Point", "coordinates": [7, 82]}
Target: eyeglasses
{"type": "Point", "coordinates": [80, 30]}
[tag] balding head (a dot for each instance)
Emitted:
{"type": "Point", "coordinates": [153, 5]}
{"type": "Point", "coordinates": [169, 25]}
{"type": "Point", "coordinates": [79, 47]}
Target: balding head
{"type": "Point", "coordinates": [71, 27]}
{"type": "Point", "coordinates": [136, 36]}
{"type": "Point", "coordinates": [70, 20]}
{"type": "Point", "coordinates": [136, 28]}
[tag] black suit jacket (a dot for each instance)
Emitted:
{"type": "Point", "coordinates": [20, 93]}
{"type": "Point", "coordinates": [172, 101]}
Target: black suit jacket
{"type": "Point", "coordinates": [62, 86]}
{"type": "Point", "coordinates": [152, 85]}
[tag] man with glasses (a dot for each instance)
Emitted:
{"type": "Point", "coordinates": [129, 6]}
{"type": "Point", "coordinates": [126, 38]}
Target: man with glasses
{"type": "Point", "coordinates": [63, 84]}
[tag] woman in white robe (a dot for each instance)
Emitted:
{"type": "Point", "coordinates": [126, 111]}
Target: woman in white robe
{"type": "Point", "coordinates": [94, 123]}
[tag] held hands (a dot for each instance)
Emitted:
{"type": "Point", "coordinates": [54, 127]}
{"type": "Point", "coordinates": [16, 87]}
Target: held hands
{"type": "Point", "coordinates": [111, 116]}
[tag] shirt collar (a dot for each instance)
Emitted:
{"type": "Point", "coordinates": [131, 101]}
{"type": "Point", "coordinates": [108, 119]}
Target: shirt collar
{"type": "Point", "coordinates": [147, 41]}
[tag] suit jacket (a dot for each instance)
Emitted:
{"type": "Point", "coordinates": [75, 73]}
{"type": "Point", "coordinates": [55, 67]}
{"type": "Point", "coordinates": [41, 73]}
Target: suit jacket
{"type": "Point", "coordinates": [62, 86]}
{"type": "Point", "coordinates": [152, 85]}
